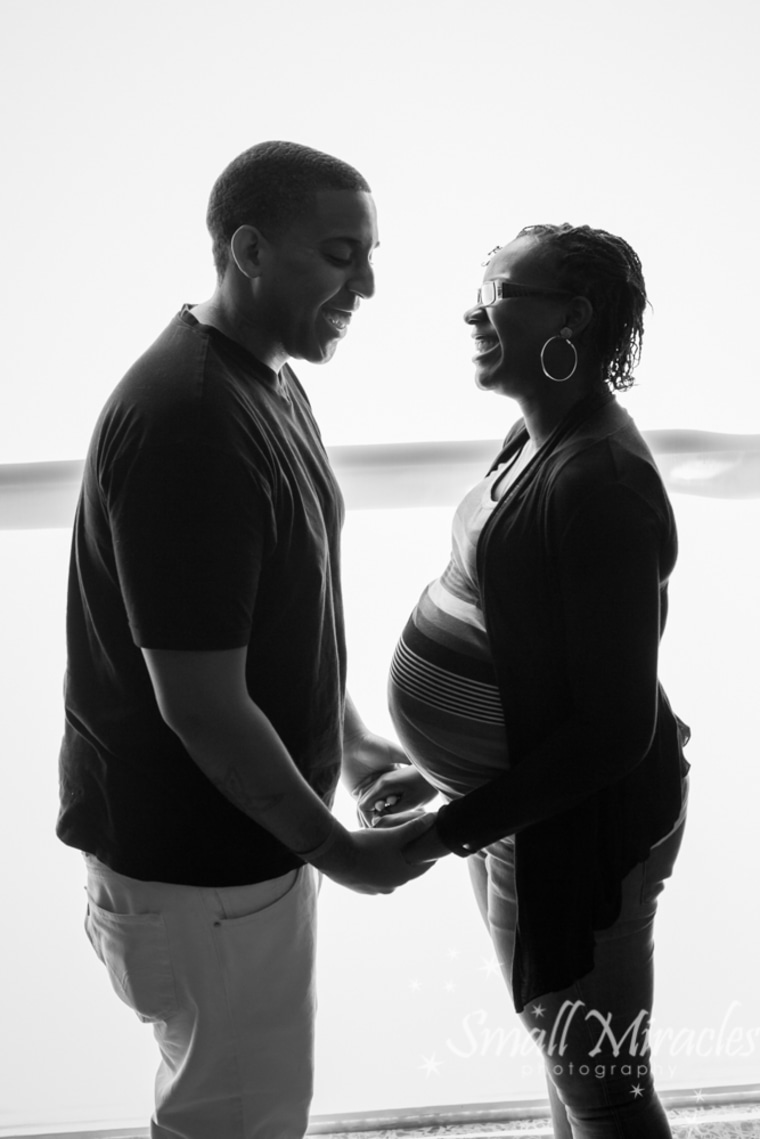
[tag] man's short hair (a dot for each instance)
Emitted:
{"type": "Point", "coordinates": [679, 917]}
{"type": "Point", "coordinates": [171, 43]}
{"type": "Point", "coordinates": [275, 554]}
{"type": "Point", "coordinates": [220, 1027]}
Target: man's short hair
{"type": "Point", "coordinates": [269, 186]}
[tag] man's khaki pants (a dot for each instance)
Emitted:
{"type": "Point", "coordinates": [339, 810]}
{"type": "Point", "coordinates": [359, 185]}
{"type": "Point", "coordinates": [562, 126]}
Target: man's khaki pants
{"type": "Point", "coordinates": [226, 978]}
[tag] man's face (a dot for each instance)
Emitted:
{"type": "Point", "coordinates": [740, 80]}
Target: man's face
{"type": "Point", "coordinates": [314, 276]}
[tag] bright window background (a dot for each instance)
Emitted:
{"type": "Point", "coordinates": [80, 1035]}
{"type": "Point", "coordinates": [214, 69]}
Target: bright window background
{"type": "Point", "coordinates": [469, 120]}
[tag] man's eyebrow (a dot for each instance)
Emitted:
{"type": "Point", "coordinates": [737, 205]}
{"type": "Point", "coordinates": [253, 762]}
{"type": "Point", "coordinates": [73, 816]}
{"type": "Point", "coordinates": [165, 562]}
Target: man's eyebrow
{"type": "Point", "coordinates": [348, 240]}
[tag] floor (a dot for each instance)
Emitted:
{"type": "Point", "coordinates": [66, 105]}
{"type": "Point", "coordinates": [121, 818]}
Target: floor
{"type": "Point", "coordinates": [698, 1122]}
{"type": "Point", "coordinates": [719, 1121]}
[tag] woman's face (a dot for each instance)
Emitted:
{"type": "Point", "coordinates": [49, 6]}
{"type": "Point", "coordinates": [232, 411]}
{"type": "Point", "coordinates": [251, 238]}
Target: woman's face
{"type": "Point", "coordinates": [510, 333]}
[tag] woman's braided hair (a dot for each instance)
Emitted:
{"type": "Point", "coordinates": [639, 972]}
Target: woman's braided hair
{"type": "Point", "coordinates": [596, 264]}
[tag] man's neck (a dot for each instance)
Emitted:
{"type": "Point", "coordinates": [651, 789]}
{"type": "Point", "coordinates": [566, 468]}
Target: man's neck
{"type": "Point", "coordinates": [222, 313]}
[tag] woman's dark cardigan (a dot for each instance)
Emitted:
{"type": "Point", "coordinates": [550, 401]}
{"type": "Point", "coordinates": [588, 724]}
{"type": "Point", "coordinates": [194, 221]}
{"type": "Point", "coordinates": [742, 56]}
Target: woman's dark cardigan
{"type": "Point", "coordinates": [573, 566]}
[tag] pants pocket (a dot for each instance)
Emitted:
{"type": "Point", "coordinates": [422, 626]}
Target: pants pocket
{"type": "Point", "coordinates": [135, 952]}
{"type": "Point", "coordinates": [237, 903]}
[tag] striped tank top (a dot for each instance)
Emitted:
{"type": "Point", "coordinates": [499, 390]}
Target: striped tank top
{"type": "Point", "coordinates": [443, 695]}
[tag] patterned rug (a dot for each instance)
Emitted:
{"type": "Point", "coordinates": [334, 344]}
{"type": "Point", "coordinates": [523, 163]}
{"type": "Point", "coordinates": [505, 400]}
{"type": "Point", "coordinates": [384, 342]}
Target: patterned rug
{"type": "Point", "coordinates": [693, 1121]}
{"type": "Point", "coordinates": [722, 1121]}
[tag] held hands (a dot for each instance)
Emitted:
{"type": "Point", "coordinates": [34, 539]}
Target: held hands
{"type": "Point", "coordinates": [394, 800]}
{"type": "Point", "coordinates": [375, 861]}
{"type": "Point", "coordinates": [392, 797]}
{"type": "Point", "coordinates": [396, 849]}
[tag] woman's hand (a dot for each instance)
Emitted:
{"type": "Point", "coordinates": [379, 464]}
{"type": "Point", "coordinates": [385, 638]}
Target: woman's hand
{"type": "Point", "coordinates": [392, 797]}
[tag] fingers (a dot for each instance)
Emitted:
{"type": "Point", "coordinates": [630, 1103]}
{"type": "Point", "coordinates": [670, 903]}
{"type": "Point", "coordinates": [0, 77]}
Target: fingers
{"type": "Point", "coordinates": [394, 818]}
{"type": "Point", "coordinates": [371, 811]}
{"type": "Point", "coordinates": [387, 784]}
{"type": "Point", "coordinates": [418, 825]}
{"type": "Point", "coordinates": [389, 822]}
{"type": "Point", "coordinates": [373, 808]}
{"type": "Point", "coordinates": [393, 793]}
{"type": "Point", "coordinates": [378, 792]}
{"type": "Point", "coordinates": [370, 782]}
{"type": "Point", "coordinates": [381, 805]}
{"type": "Point", "coordinates": [381, 864]}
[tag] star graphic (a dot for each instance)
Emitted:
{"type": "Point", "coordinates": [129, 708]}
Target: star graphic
{"type": "Point", "coordinates": [491, 967]}
{"type": "Point", "coordinates": [637, 1091]}
{"type": "Point", "coordinates": [538, 1010]}
{"type": "Point", "coordinates": [453, 954]}
{"type": "Point", "coordinates": [415, 985]}
{"type": "Point", "coordinates": [430, 1065]}
{"type": "Point", "coordinates": [699, 1095]}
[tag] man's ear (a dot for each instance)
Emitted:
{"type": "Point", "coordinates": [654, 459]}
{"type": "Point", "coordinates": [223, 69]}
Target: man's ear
{"type": "Point", "coordinates": [578, 315]}
{"type": "Point", "coordinates": [246, 248]}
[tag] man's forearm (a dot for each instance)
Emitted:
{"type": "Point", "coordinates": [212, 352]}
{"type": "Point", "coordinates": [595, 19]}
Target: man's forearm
{"type": "Point", "coordinates": [243, 756]}
{"type": "Point", "coordinates": [203, 697]}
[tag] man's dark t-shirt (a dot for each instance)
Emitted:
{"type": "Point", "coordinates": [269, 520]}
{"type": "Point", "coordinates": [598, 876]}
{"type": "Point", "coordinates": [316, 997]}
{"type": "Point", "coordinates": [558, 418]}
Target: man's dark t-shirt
{"type": "Point", "coordinates": [209, 519]}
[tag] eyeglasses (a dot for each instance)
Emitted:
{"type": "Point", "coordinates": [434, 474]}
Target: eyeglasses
{"type": "Point", "coordinates": [492, 291]}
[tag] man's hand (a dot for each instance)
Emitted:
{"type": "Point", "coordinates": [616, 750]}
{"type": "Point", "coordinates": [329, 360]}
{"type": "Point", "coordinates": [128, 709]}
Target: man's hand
{"type": "Point", "coordinates": [373, 861]}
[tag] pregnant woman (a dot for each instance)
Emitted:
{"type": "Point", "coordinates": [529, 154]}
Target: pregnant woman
{"type": "Point", "coordinates": [524, 687]}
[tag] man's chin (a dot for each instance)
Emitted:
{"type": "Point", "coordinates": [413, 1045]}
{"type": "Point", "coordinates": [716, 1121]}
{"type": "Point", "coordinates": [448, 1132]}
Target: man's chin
{"type": "Point", "coordinates": [321, 354]}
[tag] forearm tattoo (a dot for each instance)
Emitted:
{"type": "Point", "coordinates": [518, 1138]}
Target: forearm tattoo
{"type": "Point", "coordinates": [233, 786]}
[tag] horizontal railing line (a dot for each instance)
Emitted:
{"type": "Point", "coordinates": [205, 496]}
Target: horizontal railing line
{"type": "Point", "coordinates": [398, 475]}
{"type": "Point", "coordinates": [669, 441]}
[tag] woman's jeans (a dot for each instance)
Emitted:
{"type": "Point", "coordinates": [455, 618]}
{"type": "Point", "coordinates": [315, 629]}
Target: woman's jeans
{"type": "Point", "coordinates": [594, 1034]}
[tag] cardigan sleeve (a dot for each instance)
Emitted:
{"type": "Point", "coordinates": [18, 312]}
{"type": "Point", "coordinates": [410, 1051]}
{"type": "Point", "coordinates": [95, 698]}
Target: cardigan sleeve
{"type": "Point", "coordinates": [607, 578]}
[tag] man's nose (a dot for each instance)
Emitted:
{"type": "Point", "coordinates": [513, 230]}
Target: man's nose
{"type": "Point", "coordinates": [362, 282]}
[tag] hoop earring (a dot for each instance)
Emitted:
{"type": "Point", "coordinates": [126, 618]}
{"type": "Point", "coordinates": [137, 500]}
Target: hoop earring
{"type": "Point", "coordinates": [565, 335]}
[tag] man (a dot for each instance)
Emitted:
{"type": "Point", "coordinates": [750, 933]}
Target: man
{"type": "Point", "coordinates": [205, 709]}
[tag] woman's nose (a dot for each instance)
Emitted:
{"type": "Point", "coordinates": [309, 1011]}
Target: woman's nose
{"type": "Point", "coordinates": [475, 314]}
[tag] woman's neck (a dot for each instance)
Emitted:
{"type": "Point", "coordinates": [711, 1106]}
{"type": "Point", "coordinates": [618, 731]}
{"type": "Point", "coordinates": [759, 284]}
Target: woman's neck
{"type": "Point", "coordinates": [542, 416]}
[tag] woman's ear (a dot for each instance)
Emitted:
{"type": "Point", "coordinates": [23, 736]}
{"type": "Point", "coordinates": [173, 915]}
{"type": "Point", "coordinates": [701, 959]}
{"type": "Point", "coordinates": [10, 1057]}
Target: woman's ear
{"type": "Point", "coordinates": [246, 248]}
{"type": "Point", "coordinates": [579, 314]}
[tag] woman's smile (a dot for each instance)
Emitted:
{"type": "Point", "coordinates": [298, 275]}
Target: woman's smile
{"type": "Point", "coordinates": [485, 344]}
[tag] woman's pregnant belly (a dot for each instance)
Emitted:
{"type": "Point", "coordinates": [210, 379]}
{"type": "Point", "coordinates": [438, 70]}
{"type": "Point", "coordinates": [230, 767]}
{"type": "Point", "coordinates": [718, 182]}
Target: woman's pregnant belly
{"type": "Point", "coordinates": [445, 702]}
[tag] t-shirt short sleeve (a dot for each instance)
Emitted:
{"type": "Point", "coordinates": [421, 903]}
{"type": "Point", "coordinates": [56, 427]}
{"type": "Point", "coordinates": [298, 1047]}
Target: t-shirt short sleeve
{"type": "Point", "coordinates": [191, 528]}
